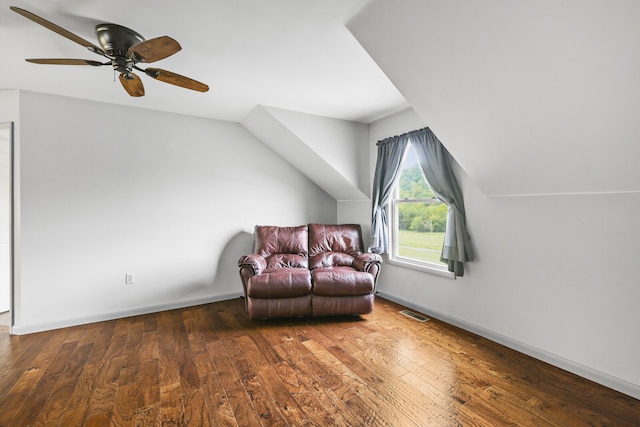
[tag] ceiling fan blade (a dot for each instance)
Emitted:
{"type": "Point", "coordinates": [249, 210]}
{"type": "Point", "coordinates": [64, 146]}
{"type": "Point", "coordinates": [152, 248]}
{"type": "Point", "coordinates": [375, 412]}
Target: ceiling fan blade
{"type": "Point", "coordinates": [155, 49]}
{"type": "Point", "coordinates": [132, 84]}
{"type": "Point", "coordinates": [176, 79]}
{"type": "Point", "coordinates": [61, 61]}
{"type": "Point", "coordinates": [57, 29]}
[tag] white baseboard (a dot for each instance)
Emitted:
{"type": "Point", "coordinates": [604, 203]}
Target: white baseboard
{"type": "Point", "coordinates": [47, 326]}
{"type": "Point", "coordinates": [599, 377]}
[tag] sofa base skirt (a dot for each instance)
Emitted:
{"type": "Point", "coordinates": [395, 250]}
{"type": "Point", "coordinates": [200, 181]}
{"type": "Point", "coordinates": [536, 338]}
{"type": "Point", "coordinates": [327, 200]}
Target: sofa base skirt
{"type": "Point", "coordinates": [338, 306]}
{"type": "Point", "coordinates": [260, 308]}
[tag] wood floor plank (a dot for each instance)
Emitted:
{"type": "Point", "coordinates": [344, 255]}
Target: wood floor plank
{"type": "Point", "coordinates": [339, 408]}
{"type": "Point", "coordinates": [444, 407]}
{"type": "Point", "coordinates": [148, 416]}
{"type": "Point", "coordinates": [103, 397]}
{"type": "Point", "coordinates": [101, 341]}
{"type": "Point", "coordinates": [244, 412]}
{"type": "Point", "coordinates": [405, 401]}
{"type": "Point", "coordinates": [171, 405]}
{"type": "Point", "coordinates": [149, 346]}
{"type": "Point", "coordinates": [22, 350]}
{"type": "Point", "coordinates": [166, 352]}
{"type": "Point", "coordinates": [261, 400]}
{"type": "Point", "coordinates": [53, 411]}
{"type": "Point", "coordinates": [367, 375]}
{"type": "Point", "coordinates": [220, 411]}
{"type": "Point", "coordinates": [203, 363]}
{"type": "Point", "coordinates": [103, 391]}
{"type": "Point", "coordinates": [372, 415]}
{"type": "Point", "coordinates": [268, 376]}
{"type": "Point", "coordinates": [133, 345]}
{"type": "Point", "coordinates": [238, 398]}
{"type": "Point", "coordinates": [306, 378]}
{"type": "Point", "coordinates": [212, 365]}
{"type": "Point", "coordinates": [78, 404]}
{"type": "Point", "coordinates": [347, 382]}
{"type": "Point", "coordinates": [196, 411]}
{"type": "Point", "coordinates": [189, 376]}
{"type": "Point", "coordinates": [18, 395]}
{"type": "Point", "coordinates": [330, 335]}
{"type": "Point", "coordinates": [224, 365]}
{"type": "Point", "coordinates": [8, 380]}
{"type": "Point", "coordinates": [377, 362]}
{"type": "Point", "coordinates": [39, 396]}
{"type": "Point", "coordinates": [197, 325]}
{"type": "Point", "coordinates": [492, 406]}
{"type": "Point", "coordinates": [321, 405]}
{"type": "Point", "coordinates": [320, 365]}
{"type": "Point", "coordinates": [40, 355]}
{"type": "Point", "coordinates": [127, 397]}
{"type": "Point", "coordinates": [149, 383]}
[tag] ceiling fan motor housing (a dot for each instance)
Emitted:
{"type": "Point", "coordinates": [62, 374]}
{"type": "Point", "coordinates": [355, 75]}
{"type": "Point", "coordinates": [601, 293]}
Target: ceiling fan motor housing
{"type": "Point", "coordinates": [116, 41]}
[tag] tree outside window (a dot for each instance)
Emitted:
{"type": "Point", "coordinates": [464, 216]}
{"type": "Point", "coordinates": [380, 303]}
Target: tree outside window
{"type": "Point", "coordinates": [419, 219]}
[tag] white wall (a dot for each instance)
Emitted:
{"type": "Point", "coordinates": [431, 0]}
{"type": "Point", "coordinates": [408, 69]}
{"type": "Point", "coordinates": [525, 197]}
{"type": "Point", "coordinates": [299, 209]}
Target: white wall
{"type": "Point", "coordinates": [108, 190]}
{"type": "Point", "coordinates": [312, 144]}
{"type": "Point", "coordinates": [554, 276]}
{"type": "Point", "coordinates": [356, 212]}
{"type": "Point", "coordinates": [9, 105]}
{"type": "Point", "coordinates": [340, 143]}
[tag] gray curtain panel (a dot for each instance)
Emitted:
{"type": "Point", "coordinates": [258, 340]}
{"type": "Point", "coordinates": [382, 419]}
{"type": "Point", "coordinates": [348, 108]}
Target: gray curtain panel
{"type": "Point", "coordinates": [390, 154]}
{"type": "Point", "coordinates": [435, 162]}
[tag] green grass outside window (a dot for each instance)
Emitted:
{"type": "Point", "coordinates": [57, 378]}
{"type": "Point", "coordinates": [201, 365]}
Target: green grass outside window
{"type": "Point", "coordinates": [420, 246]}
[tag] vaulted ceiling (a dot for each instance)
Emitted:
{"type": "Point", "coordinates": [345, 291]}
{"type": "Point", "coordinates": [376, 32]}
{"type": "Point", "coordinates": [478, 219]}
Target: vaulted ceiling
{"type": "Point", "coordinates": [288, 54]}
{"type": "Point", "coordinates": [530, 97]}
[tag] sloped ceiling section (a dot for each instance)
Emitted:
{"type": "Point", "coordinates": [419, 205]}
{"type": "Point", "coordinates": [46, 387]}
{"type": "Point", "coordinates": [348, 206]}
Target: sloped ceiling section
{"type": "Point", "coordinates": [332, 153]}
{"type": "Point", "coordinates": [530, 97]}
{"type": "Point", "coordinates": [294, 54]}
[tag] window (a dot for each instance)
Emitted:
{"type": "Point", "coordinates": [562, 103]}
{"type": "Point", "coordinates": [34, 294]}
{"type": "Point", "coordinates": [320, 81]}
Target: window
{"type": "Point", "coordinates": [418, 219]}
{"type": "Point", "coordinates": [386, 227]}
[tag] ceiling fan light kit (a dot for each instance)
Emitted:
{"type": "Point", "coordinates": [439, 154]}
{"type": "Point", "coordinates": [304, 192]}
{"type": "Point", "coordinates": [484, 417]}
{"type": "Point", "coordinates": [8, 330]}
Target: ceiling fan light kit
{"type": "Point", "coordinates": [124, 49]}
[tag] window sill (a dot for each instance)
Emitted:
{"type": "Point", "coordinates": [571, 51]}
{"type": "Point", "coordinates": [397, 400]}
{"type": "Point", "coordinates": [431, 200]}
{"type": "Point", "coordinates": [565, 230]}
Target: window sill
{"type": "Point", "coordinates": [402, 262]}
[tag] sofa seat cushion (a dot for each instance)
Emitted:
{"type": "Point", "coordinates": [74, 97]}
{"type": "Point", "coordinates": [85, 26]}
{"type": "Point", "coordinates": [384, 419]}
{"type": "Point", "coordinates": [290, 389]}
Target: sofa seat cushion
{"type": "Point", "coordinates": [280, 283]}
{"type": "Point", "coordinates": [261, 308]}
{"type": "Point", "coordinates": [339, 306]}
{"type": "Point", "coordinates": [341, 281]}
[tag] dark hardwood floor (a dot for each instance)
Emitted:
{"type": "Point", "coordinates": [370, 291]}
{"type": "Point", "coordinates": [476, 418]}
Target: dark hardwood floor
{"type": "Point", "coordinates": [210, 365]}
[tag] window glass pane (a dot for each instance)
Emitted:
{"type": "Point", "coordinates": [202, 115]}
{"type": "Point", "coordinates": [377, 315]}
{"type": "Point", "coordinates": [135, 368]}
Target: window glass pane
{"type": "Point", "coordinates": [421, 230]}
{"type": "Point", "coordinates": [412, 183]}
{"type": "Point", "coordinates": [421, 218]}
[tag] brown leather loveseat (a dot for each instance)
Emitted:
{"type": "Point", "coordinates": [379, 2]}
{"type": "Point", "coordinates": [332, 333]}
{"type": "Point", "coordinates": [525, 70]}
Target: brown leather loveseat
{"type": "Point", "coordinates": [309, 270]}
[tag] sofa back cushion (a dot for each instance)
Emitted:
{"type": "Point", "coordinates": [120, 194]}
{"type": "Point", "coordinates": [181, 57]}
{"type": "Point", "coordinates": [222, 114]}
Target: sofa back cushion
{"type": "Point", "coordinates": [282, 247]}
{"type": "Point", "coordinates": [334, 245]}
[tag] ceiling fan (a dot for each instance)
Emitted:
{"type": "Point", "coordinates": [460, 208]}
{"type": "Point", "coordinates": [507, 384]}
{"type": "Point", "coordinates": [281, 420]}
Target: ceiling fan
{"type": "Point", "coordinates": [124, 49]}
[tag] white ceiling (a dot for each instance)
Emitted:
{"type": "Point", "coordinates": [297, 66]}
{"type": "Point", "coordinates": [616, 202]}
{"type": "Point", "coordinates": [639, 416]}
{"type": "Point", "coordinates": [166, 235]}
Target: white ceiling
{"type": "Point", "coordinates": [290, 54]}
{"type": "Point", "coordinates": [530, 97]}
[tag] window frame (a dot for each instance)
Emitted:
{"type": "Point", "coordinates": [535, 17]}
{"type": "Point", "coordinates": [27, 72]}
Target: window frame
{"type": "Point", "coordinates": [393, 256]}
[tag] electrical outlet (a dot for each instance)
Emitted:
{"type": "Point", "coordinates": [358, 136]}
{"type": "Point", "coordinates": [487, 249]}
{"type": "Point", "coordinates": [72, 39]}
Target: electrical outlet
{"type": "Point", "coordinates": [128, 278]}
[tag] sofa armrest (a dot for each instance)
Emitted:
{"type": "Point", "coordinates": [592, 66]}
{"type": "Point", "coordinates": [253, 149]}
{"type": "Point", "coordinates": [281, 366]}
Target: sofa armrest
{"type": "Point", "coordinates": [256, 263]}
{"type": "Point", "coordinates": [365, 261]}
